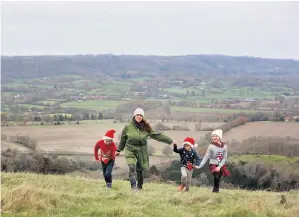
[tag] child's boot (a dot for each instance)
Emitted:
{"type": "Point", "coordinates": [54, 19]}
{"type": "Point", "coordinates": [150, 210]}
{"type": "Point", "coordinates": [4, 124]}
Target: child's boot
{"type": "Point", "coordinates": [133, 185]}
{"type": "Point", "coordinates": [109, 185]}
{"type": "Point", "coordinates": [181, 187]}
{"type": "Point", "coordinates": [139, 187]}
{"type": "Point", "coordinates": [215, 190]}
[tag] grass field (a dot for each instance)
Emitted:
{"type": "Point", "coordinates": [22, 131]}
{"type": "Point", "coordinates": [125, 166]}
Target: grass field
{"type": "Point", "coordinates": [4, 108]}
{"type": "Point", "coordinates": [241, 93]}
{"type": "Point", "coordinates": [139, 79]}
{"type": "Point", "coordinates": [15, 84]}
{"type": "Point", "coordinates": [43, 86]}
{"type": "Point", "coordinates": [93, 104]}
{"type": "Point", "coordinates": [264, 129]}
{"type": "Point", "coordinates": [177, 90]}
{"type": "Point", "coordinates": [8, 93]}
{"type": "Point", "coordinates": [46, 102]}
{"type": "Point", "coordinates": [6, 144]}
{"type": "Point", "coordinates": [68, 115]}
{"type": "Point", "coordinates": [210, 110]}
{"type": "Point", "coordinates": [31, 106]}
{"type": "Point", "coordinates": [219, 93]}
{"type": "Point", "coordinates": [116, 86]}
{"type": "Point", "coordinates": [25, 194]}
{"type": "Point", "coordinates": [82, 137]}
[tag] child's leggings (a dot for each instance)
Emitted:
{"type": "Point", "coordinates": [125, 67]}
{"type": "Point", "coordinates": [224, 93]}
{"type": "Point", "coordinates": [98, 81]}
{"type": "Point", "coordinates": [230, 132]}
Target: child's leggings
{"type": "Point", "coordinates": [107, 171]}
{"type": "Point", "coordinates": [186, 177]}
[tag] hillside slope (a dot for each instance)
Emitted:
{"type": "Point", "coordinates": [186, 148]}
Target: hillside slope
{"type": "Point", "coordinates": [44, 66]}
{"type": "Point", "coordinates": [48, 195]}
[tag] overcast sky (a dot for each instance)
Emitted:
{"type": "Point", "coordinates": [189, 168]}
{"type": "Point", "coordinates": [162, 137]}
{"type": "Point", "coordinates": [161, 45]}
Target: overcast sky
{"type": "Point", "coordinates": [264, 29]}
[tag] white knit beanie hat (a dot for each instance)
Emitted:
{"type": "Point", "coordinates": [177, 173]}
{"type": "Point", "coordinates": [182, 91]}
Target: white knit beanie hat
{"type": "Point", "coordinates": [218, 133]}
{"type": "Point", "coordinates": [139, 111]}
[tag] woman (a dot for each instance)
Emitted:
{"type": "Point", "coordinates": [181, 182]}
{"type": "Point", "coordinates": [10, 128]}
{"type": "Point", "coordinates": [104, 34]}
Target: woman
{"type": "Point", "coordinates": [217, 153]}
{"type": "Point", "coordinates": [134, 141]}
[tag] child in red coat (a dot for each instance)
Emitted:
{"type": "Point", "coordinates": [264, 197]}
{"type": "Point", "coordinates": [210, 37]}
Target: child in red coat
{"type": "Point", "coordinates": [107, 155]}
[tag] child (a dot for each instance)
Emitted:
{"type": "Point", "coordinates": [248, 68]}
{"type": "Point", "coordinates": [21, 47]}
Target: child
{"type": "Point", "coordinates": [107, 156]}
{"type": "Point", "coordinates": [217, 153]}
{"type": "Point", "coordinates": [189, 158]}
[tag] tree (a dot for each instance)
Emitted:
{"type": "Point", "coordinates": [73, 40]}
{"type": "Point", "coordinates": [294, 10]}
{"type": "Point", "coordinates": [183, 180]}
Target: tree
{"type": "Point", "coordinates": [4, 118]}
{"type": "Point", "coordinates": [198, 126]}
{"type": "Point", "coordinates": [167, 150]}
{"type": "Point", "coordinates": [100, 116]}
{"type": "Point", "coordinates": [36, 118]}
{"type": "Point", "coordinates": [47, 119]}
{"type": "Point", "coordinates": [85, 116]}
{"type": "Point", "coordinates": [17, 117]}
{"type": "Point", "coordinates": [76, 117]}
{"type": "Point", "coordinates": [55, 118]}
{"type": "Point", "coordinates": [92, 117]}
{"type": "Point", "coordinates": [61, 118]}
{"type": "Point", "coordinates": [166, 108]}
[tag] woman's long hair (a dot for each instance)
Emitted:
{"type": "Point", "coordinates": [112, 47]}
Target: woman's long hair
{"type": "Point", "coordinates": [143, 125]}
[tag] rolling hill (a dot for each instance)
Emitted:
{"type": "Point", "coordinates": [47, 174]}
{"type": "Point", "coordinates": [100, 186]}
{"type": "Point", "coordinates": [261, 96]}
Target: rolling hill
{"type": "Point", "coordinates": [45, 66]}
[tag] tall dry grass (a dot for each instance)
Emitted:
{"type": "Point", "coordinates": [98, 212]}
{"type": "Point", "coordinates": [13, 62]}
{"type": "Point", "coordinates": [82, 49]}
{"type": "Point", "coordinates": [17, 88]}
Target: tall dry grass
{"type": "Point", "coordinates": [25, 194]}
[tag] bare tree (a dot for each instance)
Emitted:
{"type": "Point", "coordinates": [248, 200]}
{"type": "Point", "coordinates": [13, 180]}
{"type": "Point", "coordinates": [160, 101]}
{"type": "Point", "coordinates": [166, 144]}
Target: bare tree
{"type": "Point", "coordinates": [4, 118]}
{"type": "Point", "coordinates": [77, 117]}
{"type": "Point", "coordinates": [47, 119]}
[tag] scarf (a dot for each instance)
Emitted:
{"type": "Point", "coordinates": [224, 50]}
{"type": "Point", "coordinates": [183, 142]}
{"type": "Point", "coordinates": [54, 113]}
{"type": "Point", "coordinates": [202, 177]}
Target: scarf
{"type": "Point", "coordinates": [218, 145]}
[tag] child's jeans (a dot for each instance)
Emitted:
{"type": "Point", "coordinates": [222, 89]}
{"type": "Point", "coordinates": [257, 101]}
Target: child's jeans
{"type": "Point", "coordinates": [186, 177]}
{"type": "Point", "coordinates": [107, 171]}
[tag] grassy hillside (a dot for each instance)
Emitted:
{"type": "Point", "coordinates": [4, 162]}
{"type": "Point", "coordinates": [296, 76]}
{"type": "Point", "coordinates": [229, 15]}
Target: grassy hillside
{"type": "Point", "coordinates": [48, 195]}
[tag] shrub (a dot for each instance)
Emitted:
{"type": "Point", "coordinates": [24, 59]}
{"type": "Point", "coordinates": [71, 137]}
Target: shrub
{"type": "Point", "coordinates": [26, 141]}
{"type": "Point", "coordinates": [268, 145]}
{"type": "Point", "coordinates": [161, 126]}
{"type": "Point", "coordinates": [34, 161]}
{"type": "Point", "coordinates": [198, 127]}
{"type": "Point", "coordinates": [252, 176]}
{"type": "Point", "coordinates": [3, 136]}
{"type": "Point", "coordinates": [167, 150]}
{"type": "Point", "coordinates": [150, 150]}
{"type": "Point", "coordinates": [183, 127]}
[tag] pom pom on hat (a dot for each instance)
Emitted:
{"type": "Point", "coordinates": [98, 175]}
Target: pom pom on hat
{"type": "Point", "coordinates": [109, 134]}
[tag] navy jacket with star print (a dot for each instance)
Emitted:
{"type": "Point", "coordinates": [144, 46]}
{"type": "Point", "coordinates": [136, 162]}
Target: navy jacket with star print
{"type": "Point", "coordinates": [187, 156]}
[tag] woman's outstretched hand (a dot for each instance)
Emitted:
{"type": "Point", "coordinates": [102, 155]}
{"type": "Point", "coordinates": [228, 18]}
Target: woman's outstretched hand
{"type": "Point", "coordinates": [173, 142]}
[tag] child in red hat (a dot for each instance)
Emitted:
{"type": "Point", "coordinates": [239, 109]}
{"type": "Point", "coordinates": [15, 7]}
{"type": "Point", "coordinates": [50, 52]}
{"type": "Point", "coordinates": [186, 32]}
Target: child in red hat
{"type": "Point", "coordinates": [107, 155]}
{"type": "Point", "coordinates": [189, 160]}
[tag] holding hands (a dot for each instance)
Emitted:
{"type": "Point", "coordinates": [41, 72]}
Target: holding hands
{"type": "Point", "coordinates": [217, 169]}
{"type": "Point", "coordinates": [173, 142]}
